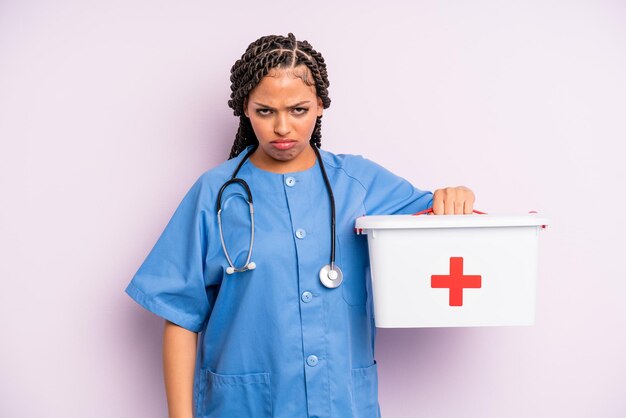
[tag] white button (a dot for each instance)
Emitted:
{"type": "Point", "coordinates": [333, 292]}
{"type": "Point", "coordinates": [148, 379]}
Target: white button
{"type": "Point", "coordinates": [311, 361]}
{"type": "Point", "coordinates": [290, 181]}
{"type": "Point", "coordinates": [300, 233]}
{"type": "Point", "coordinates": [306, 297]}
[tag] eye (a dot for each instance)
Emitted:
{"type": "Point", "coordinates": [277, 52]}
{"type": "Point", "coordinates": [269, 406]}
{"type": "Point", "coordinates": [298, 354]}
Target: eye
{"type": "Point", "coordinates": [300, 110]}
{"type": "Point", "coordinates": [263, 112]}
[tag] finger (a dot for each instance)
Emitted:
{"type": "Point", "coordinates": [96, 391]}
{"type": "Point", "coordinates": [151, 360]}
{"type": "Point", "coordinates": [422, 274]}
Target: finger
{"type": "Point", "coordinates": [449, 206]}
{"type": "Point", "coordinates": [458, 207]}
{"type": "Point", "coordinates": [469, 206]}
{"type": "Point", "coordinates": [449, 196]}
{"type": "Point", "coordinates": [437, 203]}
{"type": "Point", "coordinates": [469, 201]}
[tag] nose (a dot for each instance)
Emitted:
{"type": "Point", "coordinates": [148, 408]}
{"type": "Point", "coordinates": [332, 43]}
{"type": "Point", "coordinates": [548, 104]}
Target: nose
{"type": "Point", "coordinates": [281, 124]}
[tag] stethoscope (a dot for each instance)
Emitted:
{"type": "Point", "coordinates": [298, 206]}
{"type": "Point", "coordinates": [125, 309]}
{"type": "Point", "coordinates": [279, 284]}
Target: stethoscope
{"type": "Point", "coordinates": [330, 275]}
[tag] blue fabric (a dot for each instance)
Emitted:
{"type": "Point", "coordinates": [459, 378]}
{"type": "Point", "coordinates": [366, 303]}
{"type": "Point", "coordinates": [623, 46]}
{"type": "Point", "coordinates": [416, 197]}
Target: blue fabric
{"type": "Point", "coordinates": [257, 328]}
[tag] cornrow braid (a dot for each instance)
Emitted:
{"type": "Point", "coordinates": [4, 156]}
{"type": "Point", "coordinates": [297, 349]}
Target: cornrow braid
{"type": "Point", "coordinates": [261, 56]}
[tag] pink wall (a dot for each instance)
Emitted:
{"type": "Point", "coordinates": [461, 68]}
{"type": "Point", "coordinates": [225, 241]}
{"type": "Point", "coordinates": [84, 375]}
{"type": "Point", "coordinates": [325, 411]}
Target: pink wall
{"type": "Point", "coordinates": [109, 110]}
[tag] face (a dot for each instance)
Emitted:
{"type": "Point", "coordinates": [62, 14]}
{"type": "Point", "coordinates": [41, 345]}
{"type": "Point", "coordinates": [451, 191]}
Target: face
{"type": "Point", "coordinates": [283, 111]}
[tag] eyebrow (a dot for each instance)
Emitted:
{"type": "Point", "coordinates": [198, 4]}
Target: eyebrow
{"type": "Point", "coordinates": [292, 106]}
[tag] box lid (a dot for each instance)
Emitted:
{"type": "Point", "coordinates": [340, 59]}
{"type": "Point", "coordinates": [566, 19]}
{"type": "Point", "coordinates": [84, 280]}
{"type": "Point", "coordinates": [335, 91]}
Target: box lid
{"type": "Point", "coordinates": [447, 221]}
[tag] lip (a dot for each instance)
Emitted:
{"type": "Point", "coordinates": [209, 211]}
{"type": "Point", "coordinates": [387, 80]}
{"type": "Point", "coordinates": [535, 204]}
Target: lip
{"type": "Point", "coordinates": [283, 143]}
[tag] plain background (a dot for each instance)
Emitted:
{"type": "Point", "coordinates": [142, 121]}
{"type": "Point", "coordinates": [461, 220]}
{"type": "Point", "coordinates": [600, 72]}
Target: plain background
{"type": "Point", "coordinates": [110, 110]}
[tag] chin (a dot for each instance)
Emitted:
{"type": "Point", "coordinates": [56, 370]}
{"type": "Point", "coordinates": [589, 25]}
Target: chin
{"type": "Point", "coordinates": [292, 158]}
{"type": "Point", "coordinates": [285, 155]}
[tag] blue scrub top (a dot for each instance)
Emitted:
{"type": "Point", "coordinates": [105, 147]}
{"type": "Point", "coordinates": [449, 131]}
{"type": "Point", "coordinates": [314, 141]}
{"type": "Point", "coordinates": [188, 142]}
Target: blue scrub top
{"type": "Point", "coordinates": [274, 341]}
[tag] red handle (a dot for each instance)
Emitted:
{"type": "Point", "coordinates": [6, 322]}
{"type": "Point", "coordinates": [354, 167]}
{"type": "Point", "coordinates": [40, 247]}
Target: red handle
{"type": "Point", "coordinates": [430, 210]}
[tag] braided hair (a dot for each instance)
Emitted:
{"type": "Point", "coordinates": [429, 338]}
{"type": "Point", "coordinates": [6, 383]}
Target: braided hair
{"type": "Point", "coordinates": [261, 56]}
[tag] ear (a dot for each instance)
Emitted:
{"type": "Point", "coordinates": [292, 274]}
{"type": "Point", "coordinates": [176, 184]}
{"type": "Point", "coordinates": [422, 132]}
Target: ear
{"type": "Point", "coordinates": [245, 107]}
{"type": "Point", "coordinates": [320, 107]}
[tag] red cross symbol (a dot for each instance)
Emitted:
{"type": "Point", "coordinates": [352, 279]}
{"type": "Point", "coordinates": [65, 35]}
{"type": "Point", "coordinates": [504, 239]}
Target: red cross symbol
{"type": "Point", "coordinates": [455, 281]}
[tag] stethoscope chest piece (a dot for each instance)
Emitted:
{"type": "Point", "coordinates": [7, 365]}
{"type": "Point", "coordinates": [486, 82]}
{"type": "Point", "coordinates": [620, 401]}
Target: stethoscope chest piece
{"type": "Point", "coordinates": [331, 278]}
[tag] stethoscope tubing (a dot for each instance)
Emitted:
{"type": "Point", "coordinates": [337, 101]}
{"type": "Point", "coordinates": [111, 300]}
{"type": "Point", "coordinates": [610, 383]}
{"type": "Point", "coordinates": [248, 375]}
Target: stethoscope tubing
{"type": "Point", "coordinates": [330, 275]}
{"type": "Point", "coordinates": [234, 180]}
{"type": "Point", "coordinates": [331, 198]}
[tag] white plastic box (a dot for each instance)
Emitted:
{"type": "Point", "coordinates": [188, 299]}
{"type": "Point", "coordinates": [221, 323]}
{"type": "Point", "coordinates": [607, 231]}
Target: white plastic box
{"type": "Point", "coordinates": [453, 270]}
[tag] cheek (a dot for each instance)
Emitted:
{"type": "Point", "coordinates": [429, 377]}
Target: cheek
{"type": "Point", "coordinates": [260, 127]}
{"type": "Point", "coordinates": [308, 124]}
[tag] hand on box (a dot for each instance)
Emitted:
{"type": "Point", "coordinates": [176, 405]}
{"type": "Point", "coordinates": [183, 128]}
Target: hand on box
{"type": "Point", "coordinates": [453, 201]}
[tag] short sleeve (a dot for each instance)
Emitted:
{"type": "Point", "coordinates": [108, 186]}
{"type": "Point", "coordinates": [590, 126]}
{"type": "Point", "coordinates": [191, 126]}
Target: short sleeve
{"type": "Point", "coordinates": [170, 282]}
{"type": "Point", "coordinates": [389, 194]}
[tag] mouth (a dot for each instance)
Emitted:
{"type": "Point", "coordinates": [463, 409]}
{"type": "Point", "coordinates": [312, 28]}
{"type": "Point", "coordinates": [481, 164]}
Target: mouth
{"type": "Point", "coordinates": [283, 144]}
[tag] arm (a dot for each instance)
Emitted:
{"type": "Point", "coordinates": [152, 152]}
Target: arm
{"type": "Point", "coordinates": [179, 359]}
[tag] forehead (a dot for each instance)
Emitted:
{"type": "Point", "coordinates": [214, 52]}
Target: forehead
{"type": "Point", "coordinates": [284, 85]}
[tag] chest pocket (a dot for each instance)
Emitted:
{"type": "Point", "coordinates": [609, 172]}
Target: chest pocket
{"type": "Point", "coordinates": [354, 262]}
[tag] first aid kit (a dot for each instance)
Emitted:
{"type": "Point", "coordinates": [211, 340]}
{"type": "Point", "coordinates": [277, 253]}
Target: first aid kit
{"type": "Point", "coordinates": [453, 270]}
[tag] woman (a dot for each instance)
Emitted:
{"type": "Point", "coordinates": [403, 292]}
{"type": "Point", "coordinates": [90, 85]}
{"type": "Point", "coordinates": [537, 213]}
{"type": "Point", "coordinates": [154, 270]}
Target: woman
{"type": "Point", "coordinates": [293, 334]}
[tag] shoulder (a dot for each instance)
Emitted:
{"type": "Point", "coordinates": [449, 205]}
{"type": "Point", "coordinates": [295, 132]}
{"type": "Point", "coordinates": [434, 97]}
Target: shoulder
{"type": "Point", "coordinates": [218, 174]}
{"type": "Point", "coordinates": [212, 179]}
{"type": "Point", "coordinates": [357, 167]}
{"type": "Point", "coordinates": [384, 192]}
{"type": "Point", "coordinates": [352, 164]}
{"type": "Point", "coordinates": [205, 188]}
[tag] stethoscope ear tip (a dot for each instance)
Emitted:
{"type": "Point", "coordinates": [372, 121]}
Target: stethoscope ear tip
{"type": "Point", "coordinates": [251, 265]}
{"type": "Point", "coordinates": [230, 270]}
